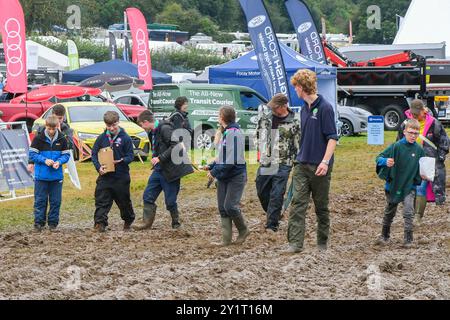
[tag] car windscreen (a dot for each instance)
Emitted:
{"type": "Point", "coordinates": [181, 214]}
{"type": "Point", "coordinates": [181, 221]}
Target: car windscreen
{"type": "Point", "coordinates": [92, 113]}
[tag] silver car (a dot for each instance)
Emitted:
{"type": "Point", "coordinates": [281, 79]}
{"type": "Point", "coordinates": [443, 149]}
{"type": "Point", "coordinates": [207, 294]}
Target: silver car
{"type": "Point", "coordinates": [135, 99]}
{"type": "Point", "coordinates": [354, 120]}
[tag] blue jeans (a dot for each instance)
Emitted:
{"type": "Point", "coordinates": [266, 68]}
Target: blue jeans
{"type": "Point", "coordinates": [46, 192]}
{"type": "Point", "coordinates": [156, 184]}
{"type": "Point", "coordinates": [271, 190]}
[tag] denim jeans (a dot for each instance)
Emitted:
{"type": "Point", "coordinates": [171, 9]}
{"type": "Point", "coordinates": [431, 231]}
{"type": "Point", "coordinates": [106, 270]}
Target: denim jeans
{"type": "Point", "coordinates": [156, 184]}
{"type": "Point", "coordinates": [47, 192]}
{"type": "Point", "coordinates": [271, 190]}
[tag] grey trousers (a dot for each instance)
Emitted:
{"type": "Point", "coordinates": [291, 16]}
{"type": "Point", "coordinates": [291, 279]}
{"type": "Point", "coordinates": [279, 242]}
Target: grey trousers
{"type": "Point", "coordinates": [229, 194]}
{"type": "Point", "coordinates": [408, 211]}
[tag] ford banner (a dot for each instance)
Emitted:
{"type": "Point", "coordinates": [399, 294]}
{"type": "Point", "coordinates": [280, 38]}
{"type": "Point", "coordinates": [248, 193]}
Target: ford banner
{"type": "Point", "coordinates": [307, 35]}
{"type": "Point", "coordinates": [12, 25]}
{"type": "Point", "coordinates": [112, 46]}
{"type": "Point", "coordinates": [266, 46]}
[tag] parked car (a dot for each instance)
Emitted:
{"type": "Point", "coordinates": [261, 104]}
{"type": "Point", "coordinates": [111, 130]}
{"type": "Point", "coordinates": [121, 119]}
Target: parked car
{"type": "Point", "coordinates": [132, 99]}
{"type": "Point", "coordinates": [354, 120]}
{"type": "Point", "coordinates": [204, 103]}
{"type": "Point", "coordinates": [86, 119]}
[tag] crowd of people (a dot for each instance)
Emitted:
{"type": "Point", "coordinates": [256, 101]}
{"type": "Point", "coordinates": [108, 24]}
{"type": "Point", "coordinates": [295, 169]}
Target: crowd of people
{"type": "Point", "coordinates": [299, 144]}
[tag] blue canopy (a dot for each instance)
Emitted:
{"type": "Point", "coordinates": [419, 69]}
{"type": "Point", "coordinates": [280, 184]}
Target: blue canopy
{"type": "Point", "coordinates": [112, 66]}
{"type": "Point", "coordinates": [244, 71]}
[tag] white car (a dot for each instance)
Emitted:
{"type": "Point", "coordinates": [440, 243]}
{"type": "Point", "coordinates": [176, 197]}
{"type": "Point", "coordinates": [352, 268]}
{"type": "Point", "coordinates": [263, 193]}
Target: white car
{"type": "Point", "coordinates": [134, 99]}
{"type": "Point", "coordinates": [354, 120]}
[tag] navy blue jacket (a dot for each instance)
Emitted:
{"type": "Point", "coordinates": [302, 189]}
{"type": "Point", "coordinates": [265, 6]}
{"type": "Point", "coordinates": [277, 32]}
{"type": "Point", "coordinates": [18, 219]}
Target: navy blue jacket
{"type": "Point", "coordinates": [122, 148]}
{"type": "Point", "coordinates": [231, 155]}
{"type": "Point", "coordinates": [42, 149]}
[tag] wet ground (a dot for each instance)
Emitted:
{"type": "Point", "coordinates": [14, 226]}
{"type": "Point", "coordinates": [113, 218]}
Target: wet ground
{"type": "Point", "coordinates": [76, 263]}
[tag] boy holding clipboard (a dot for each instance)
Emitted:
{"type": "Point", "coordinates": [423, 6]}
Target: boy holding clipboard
{"type": "Point", "coordinates": [111, 155]}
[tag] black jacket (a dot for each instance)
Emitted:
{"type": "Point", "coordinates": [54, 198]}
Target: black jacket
{"type": "Point", "coordinates": [164, 146]}
{"type": "Point", "coordinates": [122, 148]}
{"type": "Point", "coordinates": [180, 120]}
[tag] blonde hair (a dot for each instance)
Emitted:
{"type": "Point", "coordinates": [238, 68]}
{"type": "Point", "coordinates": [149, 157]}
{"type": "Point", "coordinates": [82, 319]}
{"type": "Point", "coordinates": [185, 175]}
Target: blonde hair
{"type": "Point", "coordinates": [52, 121]}
{"type": "Point", "coordinates": [306, 79]}
{"type": "Point", "coordinates": [412, 124]}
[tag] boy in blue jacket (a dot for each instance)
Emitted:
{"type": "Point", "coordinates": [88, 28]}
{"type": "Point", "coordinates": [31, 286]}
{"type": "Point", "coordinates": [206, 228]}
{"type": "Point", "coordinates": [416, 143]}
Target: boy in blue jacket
{"type": "Point", "coordinates": [113, 186]}
{"type": "Point", "coordinates": [49, 151]}
{"type": "Point", "coordinates": [230, 170]}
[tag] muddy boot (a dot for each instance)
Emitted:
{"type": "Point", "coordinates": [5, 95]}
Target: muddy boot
{"type": "Point", "coordinates": [227, 232]}
{"type": "Point", "coordinates": [149, 217]}
{"type": "Point", "coordinates": [385, 235]}
{"type": "Point", "coordinates": [242, 228]}
{"type": "Point", "coordinates": [175, 219]}
{"type": "Point", "coordinates": [420, 205]}
{"type": "Point", "coordinates": [408, 239]}
{"type": "Point", "coordinates": [100, 228]}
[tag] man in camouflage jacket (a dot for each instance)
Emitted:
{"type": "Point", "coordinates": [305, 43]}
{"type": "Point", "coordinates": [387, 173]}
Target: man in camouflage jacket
{"type": "Point", "coordinates": [278, 138]}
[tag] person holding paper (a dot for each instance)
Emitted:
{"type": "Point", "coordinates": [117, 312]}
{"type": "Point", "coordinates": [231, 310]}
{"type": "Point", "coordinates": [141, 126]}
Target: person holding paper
{"type": "Point", "coordinates": [398, 165]}
{"type": "Point", "coordinates": [113, 186]}
{"type": "Point", "coordinates": [435, 143]}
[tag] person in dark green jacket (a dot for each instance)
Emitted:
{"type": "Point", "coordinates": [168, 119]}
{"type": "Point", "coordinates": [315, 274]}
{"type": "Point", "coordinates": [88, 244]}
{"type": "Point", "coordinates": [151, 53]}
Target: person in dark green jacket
{"type": "Point", "coordinates": [399, 166]}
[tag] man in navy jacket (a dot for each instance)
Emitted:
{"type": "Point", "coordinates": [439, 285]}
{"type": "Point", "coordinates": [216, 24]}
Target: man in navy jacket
{"type": "Point", "coordinates": [113, 186]}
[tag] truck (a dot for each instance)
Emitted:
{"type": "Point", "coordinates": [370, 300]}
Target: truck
{"type": "Point", "coordinates": [386, 85]}
{"type": "Point", "coordinates": [388, 90]}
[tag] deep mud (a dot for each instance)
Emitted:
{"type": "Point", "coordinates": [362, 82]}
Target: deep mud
{"type": "Point", "coordinates": [75, 263]}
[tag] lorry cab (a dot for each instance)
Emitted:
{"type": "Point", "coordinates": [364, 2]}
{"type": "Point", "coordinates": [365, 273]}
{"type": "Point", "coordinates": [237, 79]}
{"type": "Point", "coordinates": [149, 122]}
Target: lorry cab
{"type": "Point", "coordinates": [205, 101]}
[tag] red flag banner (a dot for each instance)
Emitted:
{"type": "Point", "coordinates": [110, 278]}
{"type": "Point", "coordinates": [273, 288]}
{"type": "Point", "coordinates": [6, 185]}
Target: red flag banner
{"type": "Point", "coordinates": [141, 50]}
{"type": "Point", "coordinates": [12, 25]}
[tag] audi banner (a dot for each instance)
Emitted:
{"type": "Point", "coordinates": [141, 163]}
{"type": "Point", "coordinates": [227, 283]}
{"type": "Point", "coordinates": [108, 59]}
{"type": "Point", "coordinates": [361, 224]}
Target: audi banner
{"type": "Point", "coordinates": [267, 49]}
{"type": "Point", "coordinates": [14, 159]}
{"type": "Point", "coordinates": [12, 25]}
{"type": "Point", "coordinates": [141, 50]}
{"type": "Point", "coordinates": [307, 35]}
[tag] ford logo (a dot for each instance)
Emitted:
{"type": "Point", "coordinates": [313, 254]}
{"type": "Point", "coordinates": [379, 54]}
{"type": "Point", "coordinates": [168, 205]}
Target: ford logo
{"type": "Point", "coordinates": [256, 21]}
{"type": "Point", "coordinates": [304, 27]}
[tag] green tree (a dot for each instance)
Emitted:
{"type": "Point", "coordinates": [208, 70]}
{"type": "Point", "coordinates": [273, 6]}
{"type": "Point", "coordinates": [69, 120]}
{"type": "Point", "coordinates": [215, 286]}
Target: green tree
{"type": "Point", "coordinates": [190, 20]}
{"type": "Point", "coordinates": [387, 31]}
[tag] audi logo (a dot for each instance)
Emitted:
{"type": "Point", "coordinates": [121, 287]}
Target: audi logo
{"type": "Point", "coordinates": [13, 48]}
{"type": "Point", "coordinates": [142, 53]}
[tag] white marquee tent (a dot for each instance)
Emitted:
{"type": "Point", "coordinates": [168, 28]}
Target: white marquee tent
{"type": "Point", "coordinates": [426, 21]}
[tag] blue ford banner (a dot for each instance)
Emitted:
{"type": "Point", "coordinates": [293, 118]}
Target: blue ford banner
{"type": "Point", "coordinates": [14, 158]}
{"type": "Point", "coordinates": [307, 35]}
{"type": "Point", "coordinates": [266, 46]}
{"type": "Point", "coordinates": [126, 49]}
{"type": "Point", "coordinates": [112, 46]}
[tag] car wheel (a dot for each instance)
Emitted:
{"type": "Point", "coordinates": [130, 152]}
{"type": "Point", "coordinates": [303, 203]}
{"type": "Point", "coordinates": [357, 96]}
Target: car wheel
{"type": "Point", "coordinates": [204, 139]}
{"type": "Point", "coordinates": [393, 117]}
{"type": "Point", "coordinates": [347, 128]}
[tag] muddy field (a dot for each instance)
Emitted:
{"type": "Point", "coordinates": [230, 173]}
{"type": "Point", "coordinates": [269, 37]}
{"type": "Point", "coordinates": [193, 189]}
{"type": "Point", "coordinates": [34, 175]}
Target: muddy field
{"type": "Point", "coordinates": [76, 263]}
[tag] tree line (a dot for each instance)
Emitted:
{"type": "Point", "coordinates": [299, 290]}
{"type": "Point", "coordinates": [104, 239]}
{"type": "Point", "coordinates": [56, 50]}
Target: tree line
{"type": "Point", "coordinates": [214, 17]}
